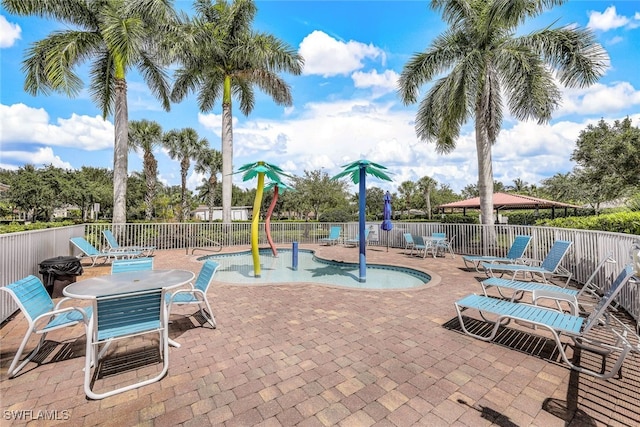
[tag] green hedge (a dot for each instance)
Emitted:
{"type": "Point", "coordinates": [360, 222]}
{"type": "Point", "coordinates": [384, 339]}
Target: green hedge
{"type": "Point", "coordinates": [620, 222]}
{"type": "Point", "coordinates": [15, 227]}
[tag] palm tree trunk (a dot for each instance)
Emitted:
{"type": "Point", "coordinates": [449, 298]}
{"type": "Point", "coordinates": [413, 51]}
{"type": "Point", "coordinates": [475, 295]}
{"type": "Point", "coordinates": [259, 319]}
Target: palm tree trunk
{"type": "Point", "coordinates": [151, 170]}
{"type": "Point", "coordinates": [485, 178]}
{"type": "Point", "coordinates": [184, 170]}
{"type": "Point", "coordinates": [211, 196]}
{"type": "Point", "coordinates": [227, 152]}
{"type": "Point", "coordinates": [120, 151]}
{"type": "Point", "coordinates": [428, 201]}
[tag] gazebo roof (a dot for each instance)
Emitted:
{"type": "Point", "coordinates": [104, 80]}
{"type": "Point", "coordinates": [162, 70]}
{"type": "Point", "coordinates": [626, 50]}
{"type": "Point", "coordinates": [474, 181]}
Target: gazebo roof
{"type": "Point", "coordinates": [508, 201]}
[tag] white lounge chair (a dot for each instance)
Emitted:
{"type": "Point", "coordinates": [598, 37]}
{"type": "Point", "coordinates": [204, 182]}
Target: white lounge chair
{"type": "Point", "coordinates": [334, 235]}
{"type": "Point", "coordinates": [115, 246]}
{"type": "Point", "coordinates": [515, 254]}
{"type": "Point", "coordinates": [91, 252]}
{"type": "Point", "coordinates": [558, 324]}
{"type": "Point", "coordinates": [549, 267]}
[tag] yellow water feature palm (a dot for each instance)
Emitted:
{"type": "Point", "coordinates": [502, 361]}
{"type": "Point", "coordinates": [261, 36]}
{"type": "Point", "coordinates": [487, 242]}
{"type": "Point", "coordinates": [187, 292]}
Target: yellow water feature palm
{"type": "Point", "coordinates": [252, 170]}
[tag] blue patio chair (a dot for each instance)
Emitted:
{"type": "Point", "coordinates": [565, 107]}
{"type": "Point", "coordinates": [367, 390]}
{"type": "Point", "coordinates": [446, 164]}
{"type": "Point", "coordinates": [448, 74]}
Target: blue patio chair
{"type": "Point", "coordinates": [444, 245]}
{"type": "Point", "coordinates": [42, 315]}
{"type": "Point", "coordinates": [134, 264]}
{"type": "Point", "coordinates": [119, 317]}
{"type": "Point", "coordinates": [408, 242]}
{"type": "Point", "coordinates": [515, 255]}
{"type": "Point", "coordinates": [420, 245]}
{"type": "Point", "coordinates": [115, 246]}
{"type": "Point", "coordinates": [197, 294]}
{"type": "Point", "coordinates": [90, 251]}
{"type": "Point", "coordinates": [559, 323]}
{"type": "Point", "coordinates": [334, 235]}
{"type": "Point", "coordinates": [549, 267]}
{"type": "Point", "coordinates": [356, 240]}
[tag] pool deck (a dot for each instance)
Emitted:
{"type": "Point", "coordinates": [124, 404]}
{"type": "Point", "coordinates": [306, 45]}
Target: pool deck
{"type": "Point", "coordinates": [312, 355]}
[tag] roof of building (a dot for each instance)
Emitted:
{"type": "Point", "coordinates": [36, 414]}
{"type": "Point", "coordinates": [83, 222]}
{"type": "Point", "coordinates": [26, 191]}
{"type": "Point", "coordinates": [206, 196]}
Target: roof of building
{"type": "Point", "coordinates": [509, 201]}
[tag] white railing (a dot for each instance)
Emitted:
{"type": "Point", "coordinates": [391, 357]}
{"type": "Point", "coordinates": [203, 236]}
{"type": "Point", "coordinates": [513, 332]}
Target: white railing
{"type": "Point", "coordinates": [21, 253]}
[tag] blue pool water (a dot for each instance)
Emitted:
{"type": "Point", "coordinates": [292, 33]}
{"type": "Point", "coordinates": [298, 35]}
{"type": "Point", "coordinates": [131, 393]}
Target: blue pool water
{"type": "Point", "coordinates": [237, 268]}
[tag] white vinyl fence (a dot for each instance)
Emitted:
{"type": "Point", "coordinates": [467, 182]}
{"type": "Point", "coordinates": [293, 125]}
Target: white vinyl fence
{"type": "Point", "coordinates": [21, 253]}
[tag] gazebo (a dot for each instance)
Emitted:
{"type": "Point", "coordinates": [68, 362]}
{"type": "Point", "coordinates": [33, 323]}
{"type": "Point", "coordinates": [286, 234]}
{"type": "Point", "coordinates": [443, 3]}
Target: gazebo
{"type": "Point", "coordinates": [504, 201]}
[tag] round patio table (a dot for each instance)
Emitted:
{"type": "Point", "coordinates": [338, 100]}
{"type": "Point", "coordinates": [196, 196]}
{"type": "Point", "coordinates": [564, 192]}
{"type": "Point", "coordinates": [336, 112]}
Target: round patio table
{"type": "Point", "coordinates": [124, 283]}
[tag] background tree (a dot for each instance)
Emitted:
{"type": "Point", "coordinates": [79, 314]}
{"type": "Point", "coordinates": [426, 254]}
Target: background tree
{"type": "Point", "coordinates": [607, 159]}
{"type": "Point", "coordinates": [117, 36]}
{"type": "Point", "coordinates": [146, 135]}
{"type": "Point", "coordinates": [209, 162]}
{"type": "Point", "coordinates": [227, 59]}
{"type": "Point", "coordinates": [486, 60]}
{"type": "Point", "coordinates": [183, 146]}
{"type": "Point", "coordinates": [407, 191]}
{"type": "Point", "coordinates": [320, 192]}
{"type": "Point", "coordinates": [425, 186]}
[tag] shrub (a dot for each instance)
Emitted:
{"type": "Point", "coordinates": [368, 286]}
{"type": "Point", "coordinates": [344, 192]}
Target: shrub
{"type": "Point", "coordinates": [620, 222]}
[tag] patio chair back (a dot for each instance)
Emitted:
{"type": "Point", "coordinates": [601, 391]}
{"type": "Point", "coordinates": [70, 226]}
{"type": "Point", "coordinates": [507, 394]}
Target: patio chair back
{"type": "Point", "coordinates": [206, 274]}
{"type": "Point", "coordinates": [439, 235]}
{"type": "Point", "coordinates": [111, 239]}
{"type": "Point", "coordinates": [600, 309]}
{"type": "Point", "coordinates": [518, 247]}
{"type": "Point", "coordinates": [31, 296]}
{"type": "Point", "coordinates": [133, 264]}
{"type": "Point", "coordinates": [86, 247]}
{"type": "Point", "coordinates": [124, 316]}
{"type": "Point", "coordinates": [555, 255]}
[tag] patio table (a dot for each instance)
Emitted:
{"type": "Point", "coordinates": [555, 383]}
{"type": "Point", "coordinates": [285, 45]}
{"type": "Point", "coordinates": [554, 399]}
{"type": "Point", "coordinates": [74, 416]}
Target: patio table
{"type": "Point", "coordinates": [431, 242]}
{"type": "Point", "coordinates": [124, 283]}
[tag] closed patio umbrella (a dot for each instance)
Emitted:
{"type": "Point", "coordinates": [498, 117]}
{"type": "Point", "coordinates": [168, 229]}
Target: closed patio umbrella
{"type": "Point", "coordinates": [386, 216]}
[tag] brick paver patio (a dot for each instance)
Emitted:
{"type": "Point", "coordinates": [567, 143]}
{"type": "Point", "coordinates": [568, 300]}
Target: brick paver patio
{"type": "Point", "coordinates": [311, 355]}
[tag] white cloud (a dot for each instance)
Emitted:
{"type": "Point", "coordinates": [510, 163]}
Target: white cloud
{"type": "Point", "coordinates": [42, 156]}
{"type": "Point", "coordinates": [213, 122]}
{"type": "Point", "coordinates": [599, 99]}
{"type": "Point", "coordinates": [9, 32]}
{"type": "Point", "coordinates": [380, 83]}
{"type": "Point", "coordinates": [615, 40]}
{"type": "Point", "coordinates": [326, 56]}
{"type": "Point", "coordinates": [607, 20]}
{"type": "Point", "coordinates": [21, 123]}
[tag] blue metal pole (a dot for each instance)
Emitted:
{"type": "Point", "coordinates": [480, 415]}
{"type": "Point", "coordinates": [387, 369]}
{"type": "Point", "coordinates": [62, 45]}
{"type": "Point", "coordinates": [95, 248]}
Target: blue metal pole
{"type": "Point", "coordinates": [294, 257]}
{"type": "Point", "coordinates": [361, 223]}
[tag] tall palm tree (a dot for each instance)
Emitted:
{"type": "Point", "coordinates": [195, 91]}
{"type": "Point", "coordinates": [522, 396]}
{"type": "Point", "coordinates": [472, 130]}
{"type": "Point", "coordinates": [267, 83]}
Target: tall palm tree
{"type": "Point", "coordinates": [184, 145]}
{"type": "Point", "coordinates": [117, 36]}
{"type": "Point", "coordinates": [426, 185]}
{"type": "Point", "coordinates": [487, 61]}
{"type": "Point", "coordinates": [209, 162]}
{"type": "Point", "coordinates": [146, 135]}
{"type": "Point", "coordinates": [227, 60]}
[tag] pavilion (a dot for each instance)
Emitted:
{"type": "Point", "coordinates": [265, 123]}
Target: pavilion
{"type": "Point", "coordinates": [507, 201]}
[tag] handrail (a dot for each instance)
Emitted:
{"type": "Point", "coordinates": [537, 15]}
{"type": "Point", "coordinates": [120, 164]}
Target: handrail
{"type": "Point", "coordinates": [216, 246]}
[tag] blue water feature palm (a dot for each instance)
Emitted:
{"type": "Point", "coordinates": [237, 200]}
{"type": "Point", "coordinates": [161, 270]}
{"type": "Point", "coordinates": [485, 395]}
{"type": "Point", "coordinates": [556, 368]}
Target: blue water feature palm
{"type": "Point", "coordinates": [358, 172]}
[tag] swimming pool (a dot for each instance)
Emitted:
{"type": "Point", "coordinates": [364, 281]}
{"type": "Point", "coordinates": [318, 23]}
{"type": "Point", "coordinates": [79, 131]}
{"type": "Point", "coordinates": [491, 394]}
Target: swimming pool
{"type": "Point", "coordinates": [237, 268]}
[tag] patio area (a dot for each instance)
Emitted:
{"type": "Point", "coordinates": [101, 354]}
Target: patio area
{"type": "Point", "coordinates": [312, 355]}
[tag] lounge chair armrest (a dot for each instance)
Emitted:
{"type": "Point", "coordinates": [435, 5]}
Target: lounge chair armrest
{"type": "Point", "coordinates": [48, 315]}
{"type": "Point", "coordinates": [557, 297]}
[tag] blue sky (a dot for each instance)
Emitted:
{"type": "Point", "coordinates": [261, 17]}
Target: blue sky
{"type": "Point", "coordinates": [345, 103]}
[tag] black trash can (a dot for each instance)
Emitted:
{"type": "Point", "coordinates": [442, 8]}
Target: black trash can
{"type": "Point", "coordinates": [58, 272]}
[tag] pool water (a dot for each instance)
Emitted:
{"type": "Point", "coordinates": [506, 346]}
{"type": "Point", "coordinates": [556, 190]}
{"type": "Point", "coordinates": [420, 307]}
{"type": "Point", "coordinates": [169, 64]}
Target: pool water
{"type": "Point", "coordinates": [237, 268]}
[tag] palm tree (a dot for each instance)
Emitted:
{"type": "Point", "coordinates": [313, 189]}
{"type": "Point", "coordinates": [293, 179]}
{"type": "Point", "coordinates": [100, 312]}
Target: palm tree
{"type": "Point", "coordinates": [358, 172]}
{"type": "Point", "coordinates": [407, 190]}
{"type": "Point", "coordinates": [226, 61]}
{"type": "Point", "coordinates": [486, 60]}
{"type": "Point", "coordinates": [146, 135]}
{"type": "Point", "coordinates": [209, 162]}
{"type": "Point", "coordinates": [184, 145]}
{"type": "Point", "coordinates": [117, 36]}
{"type": "Point", "coordinates": [258, 169]}
{"type": "Point", "coordinates": [426, 185]}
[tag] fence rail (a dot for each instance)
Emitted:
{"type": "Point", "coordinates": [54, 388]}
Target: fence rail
{"type": "Point", "coordinates": [21, 253]}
